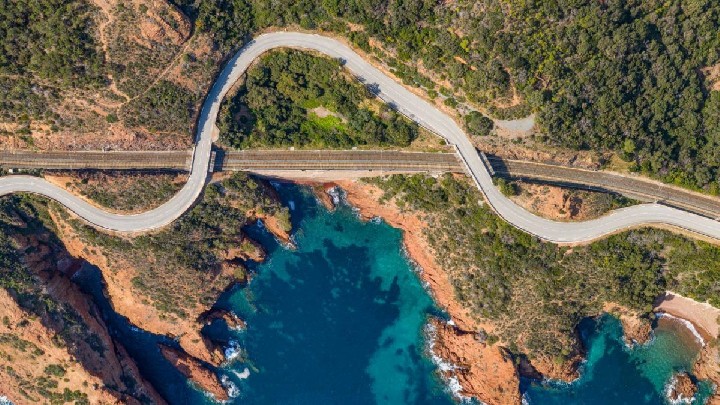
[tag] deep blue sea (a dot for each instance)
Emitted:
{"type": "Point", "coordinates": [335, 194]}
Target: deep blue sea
{"type": "Point", "coordinates": [339, 320]}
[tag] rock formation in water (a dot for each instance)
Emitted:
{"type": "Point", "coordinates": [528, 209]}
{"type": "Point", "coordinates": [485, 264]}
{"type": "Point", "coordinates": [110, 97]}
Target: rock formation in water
{"type": "Point", "coordinates": [195, 371]}
{"type": "Point", "coordinates": [682, 388]}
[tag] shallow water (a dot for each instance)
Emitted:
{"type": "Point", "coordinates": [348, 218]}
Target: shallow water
{"type": "Point", "coordinates": [616, 374]}
{"type": "Point", "coordinates": [340, 321]}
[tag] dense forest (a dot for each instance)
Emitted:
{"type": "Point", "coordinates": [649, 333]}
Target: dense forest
{"type": "Point", "coordinates": [625, 76]}
{"type": "Point", "coordinates": [550, 288]}
{"type": "Point", "coordinates": [50, 39]}
{"type": "Point", "coordinates": [293, 98]}
{"type": "Point", "coordinates": [44, 44]}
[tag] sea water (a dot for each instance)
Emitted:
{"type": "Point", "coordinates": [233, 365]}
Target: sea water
{"type": "Point", "coordinates": [337, 320]}
{"type": "Point", "coordinates": [617, 374]}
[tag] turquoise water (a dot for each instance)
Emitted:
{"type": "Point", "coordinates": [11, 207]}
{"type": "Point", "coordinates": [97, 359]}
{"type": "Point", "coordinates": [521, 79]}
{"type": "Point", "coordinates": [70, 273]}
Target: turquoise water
{"type": "Point", "coordinates": [339, 320]}
{"type": "Point", "coordinates": [615, 374]}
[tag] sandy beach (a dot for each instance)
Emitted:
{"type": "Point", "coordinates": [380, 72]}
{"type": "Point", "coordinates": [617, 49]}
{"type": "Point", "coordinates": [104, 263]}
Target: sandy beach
{"type": "Point", "coordinates": [703, 316]}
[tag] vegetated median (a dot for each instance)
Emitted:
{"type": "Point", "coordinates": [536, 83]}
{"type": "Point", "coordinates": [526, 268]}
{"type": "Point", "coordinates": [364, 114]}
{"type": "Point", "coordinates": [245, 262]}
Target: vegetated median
{"type": "Point", "coordinates": [293, 98]}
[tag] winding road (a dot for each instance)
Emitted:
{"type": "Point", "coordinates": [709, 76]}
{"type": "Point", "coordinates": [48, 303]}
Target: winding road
{"type": "Point", "coordinates": [409, 104]}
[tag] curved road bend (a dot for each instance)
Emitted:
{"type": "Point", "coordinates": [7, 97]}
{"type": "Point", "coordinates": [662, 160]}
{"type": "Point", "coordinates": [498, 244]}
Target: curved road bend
{"type": "Point", "coordinates": [405, 102]}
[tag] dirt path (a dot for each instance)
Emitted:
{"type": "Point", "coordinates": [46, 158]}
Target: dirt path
{"type": "Point", "coordinates": [106, 7]}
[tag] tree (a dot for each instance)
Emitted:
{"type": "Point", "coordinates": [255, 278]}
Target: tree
{"type": "Point", "coordinates": [478, 124]}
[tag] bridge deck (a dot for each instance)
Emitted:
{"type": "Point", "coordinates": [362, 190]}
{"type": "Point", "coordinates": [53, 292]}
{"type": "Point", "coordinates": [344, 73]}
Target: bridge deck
{"type": "Point", "coordinates": [356, 160]}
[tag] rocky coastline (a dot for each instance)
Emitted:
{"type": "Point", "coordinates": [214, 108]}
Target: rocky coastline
{"type": "Point", "coordinates": [473, 366]}
{"type": "Point", "coordinates": [470, 357]}
{"type": "Point", "coordinates": [196, 356]}
{"type": "Point", "coordinates": [483, 370]}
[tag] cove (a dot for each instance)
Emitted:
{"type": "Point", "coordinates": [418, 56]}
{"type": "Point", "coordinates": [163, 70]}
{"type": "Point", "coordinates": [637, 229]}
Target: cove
{"type": "Point", "coordinates": [340, 319]}
{"type": "Point", "coordinates": [616, 374]}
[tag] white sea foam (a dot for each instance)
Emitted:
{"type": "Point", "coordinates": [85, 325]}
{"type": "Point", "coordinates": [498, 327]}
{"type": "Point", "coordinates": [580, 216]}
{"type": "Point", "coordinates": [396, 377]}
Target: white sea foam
{"type": "Point", "coordinates": [685, 323]}
{"type": "Point", "coordinates": [244, 375]}
{"type": "Point", "coordinates": [291, 203]}
{"type": "Point", "coordinates": [232, 390]}
{"type": "Point", "coordinates": [337, 195]}
{"type": "Point", "coordinates": [669, 387]}
{"type": "Point", "coordinates": [232, 351]}
{"type": "Point", "coordinates": [5, 400]}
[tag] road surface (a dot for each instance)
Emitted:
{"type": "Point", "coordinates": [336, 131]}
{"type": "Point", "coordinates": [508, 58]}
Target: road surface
{"type": "Point", "coordinates": [409, 104]}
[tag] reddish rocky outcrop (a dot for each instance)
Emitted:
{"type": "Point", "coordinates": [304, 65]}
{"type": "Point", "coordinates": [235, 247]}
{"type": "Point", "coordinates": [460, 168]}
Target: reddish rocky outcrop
{"type": "Point", "coordinates": [233, 321]}
{"type": "Point", "coordinates": [245, 249]}
{"type": "Point", "coordinates": [93, 363]}
{"type": "Point", "coordinates": [707, 367]}
{"type": "Point", "coordinates": [195, 371]}
{"type": "Point", "coordinates": [483, 371]}
{"type": "Point", "coordinates": [637, 329]}
{"type": "Point", "coordinates": [682, 388]}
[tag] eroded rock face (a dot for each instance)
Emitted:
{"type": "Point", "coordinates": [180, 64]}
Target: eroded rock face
{"type": "Point", "coordinates": [682, 388]}
{"type": "Point", "coordinates": [637, 329]}
{"type": "Point", "coordinates": [194, 370]}
{"type": "Point", "coordinates": [52, 335]}
{"type": "Point", "coordinates": [483, 371]}
{"type": "Point", "coordinates": [231, 320]}
{"type": "Point", "coordinates": [707, 367]}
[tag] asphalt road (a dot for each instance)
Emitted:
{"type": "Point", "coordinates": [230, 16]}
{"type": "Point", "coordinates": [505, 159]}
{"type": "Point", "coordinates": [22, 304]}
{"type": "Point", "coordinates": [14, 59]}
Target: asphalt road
{"type": "Point", "coordinates": [405, 102]}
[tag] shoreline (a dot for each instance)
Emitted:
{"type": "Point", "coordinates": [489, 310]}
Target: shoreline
{"type": "Point", "coordinates": [477, 369]}
{"type": "Point", "coordinates": [474, 368]}
{"type": "Point", "coordinates": [702, 316]}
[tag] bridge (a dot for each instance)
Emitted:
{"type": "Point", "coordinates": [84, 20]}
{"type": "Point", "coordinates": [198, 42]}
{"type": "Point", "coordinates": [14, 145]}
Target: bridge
{"type": "Point", "coordinates": [381, 161]}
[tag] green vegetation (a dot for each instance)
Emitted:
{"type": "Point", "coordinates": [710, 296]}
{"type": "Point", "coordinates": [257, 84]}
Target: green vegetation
{"type": "Point", "coordinates": [184, 265]}
{"type": "Point", "coordinates": [44, 45]}
{"type": "Point", "coordinates": [508, 188]}
{"type": "Point", "coordinates": [537, 292]}
{"type": "Point", "coordinates": [50, 40]}
{"type": "Point", "coordinates": [166, 107]}
{"type": "Point", "coordinates": [477, 124]}
{"type": "Point", "coordinates": [231, 21]}
{"type": "Point", "coordinates": [55, 370]}
{"type": "Point", "coordinates": [123, 190]}
{"type": "Point", "coordinates": [284, 96]}
{"type": "Point", "coordinates": [620, 76]}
